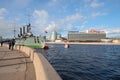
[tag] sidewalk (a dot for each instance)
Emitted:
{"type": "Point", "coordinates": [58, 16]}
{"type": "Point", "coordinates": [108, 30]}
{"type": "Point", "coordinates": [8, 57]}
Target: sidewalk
{"type": "Point", "coordinates": [15, 65]}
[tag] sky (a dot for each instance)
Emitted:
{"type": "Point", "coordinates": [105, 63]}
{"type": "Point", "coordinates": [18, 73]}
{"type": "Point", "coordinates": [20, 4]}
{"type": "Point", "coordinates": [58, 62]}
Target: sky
{"type": "Point", "coordinates": [60, 15]}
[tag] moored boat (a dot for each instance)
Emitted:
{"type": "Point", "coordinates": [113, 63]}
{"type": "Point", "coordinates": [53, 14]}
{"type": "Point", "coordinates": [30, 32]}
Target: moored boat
{"type": "Point", "coordinates": [66, 45]}
{"type": "Point", "coordinates": [106, 40]}
{"type": "Point", "coordinates": [28, 39]}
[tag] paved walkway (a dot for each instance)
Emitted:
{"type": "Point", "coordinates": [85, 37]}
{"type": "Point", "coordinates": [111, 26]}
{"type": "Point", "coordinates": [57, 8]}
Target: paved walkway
{"type": "Point", "coordinates": [15, 65]}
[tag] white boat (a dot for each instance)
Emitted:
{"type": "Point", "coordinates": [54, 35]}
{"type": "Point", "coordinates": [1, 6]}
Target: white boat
{"type": "Point", "coordinates": [106, 40]}
{"type": "Point", "coordinates": [66, 46]}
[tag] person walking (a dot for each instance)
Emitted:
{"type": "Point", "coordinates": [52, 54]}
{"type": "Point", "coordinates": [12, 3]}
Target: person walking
{"type": "Point", "coordinates": [13, 43]}
{"type": "Point", "coordinates": [1, 43]}
{"type": "Point", "coordinates": [10, 44]}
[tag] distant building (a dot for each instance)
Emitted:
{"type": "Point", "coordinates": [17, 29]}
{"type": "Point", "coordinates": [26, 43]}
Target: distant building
{"type": "Point", "coordinates": [55, 36]}
{"type": "Point", "coordinates": [86, 36]}
{"type": "Point", "coordinates": [58, 36]}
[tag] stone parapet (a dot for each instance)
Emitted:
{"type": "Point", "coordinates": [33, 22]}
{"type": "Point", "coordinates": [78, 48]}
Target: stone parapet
{"type": "Point", "coordinates": [43, 69]}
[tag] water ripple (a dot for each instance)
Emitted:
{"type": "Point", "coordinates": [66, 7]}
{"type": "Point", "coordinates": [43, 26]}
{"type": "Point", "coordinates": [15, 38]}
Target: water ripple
{"type": "Point", "coordinates": [85, 62]}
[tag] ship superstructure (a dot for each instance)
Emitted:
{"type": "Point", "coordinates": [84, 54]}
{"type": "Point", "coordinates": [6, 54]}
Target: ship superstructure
{"type": "Point", "coordinates": [26, 38]}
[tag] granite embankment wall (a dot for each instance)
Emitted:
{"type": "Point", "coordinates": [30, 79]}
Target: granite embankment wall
{"type": "Point", "coordinates": [43, 69]}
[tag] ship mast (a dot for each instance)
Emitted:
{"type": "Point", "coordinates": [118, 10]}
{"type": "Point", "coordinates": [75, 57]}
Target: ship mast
{"type": "Point", "coordinates": [28, 15]}
{"type": "Point", "coordinates": [14, 30]}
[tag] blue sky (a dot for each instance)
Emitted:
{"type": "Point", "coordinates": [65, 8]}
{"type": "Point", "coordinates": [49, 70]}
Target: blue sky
{"type": "Point", "coordinates": [60, 15]}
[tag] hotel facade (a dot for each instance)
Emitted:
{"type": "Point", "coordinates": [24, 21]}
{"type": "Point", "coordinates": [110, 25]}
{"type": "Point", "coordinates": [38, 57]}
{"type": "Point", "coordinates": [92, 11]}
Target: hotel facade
{"type": "Point", "coordinates": [75, 36]}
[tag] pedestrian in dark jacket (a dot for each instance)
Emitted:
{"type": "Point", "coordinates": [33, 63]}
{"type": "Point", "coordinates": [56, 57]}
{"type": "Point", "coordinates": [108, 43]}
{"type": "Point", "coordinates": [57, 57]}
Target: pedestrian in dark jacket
{"type": "Point", "coordinates": [10, 44]}
{"type": "Point", "coordinates": [1, 43]}
{"type": "Point", "coordinates": [13, 43]}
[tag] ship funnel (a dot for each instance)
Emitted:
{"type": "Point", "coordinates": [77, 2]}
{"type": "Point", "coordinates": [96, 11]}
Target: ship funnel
{"type": "Point", "coordinates": [28, 28]}
{"type": "Point", "coordinates": [20, 31]}
{"type": "Point", "coordinates": [23, 29]}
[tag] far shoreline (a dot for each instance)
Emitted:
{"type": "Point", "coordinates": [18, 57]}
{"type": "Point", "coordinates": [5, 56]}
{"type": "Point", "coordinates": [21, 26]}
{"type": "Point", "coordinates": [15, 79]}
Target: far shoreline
{"type": "Point", "coordinates": [90, 43]}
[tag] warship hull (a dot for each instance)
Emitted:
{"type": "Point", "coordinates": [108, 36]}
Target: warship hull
{"type": "Point", "coordinates": [26, 38]}
{"type": "Point", "coordinates": [35, 42]}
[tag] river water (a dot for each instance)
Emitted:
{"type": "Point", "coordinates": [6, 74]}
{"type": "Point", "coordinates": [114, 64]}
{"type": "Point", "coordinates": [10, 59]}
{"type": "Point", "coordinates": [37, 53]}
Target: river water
{"type": "Point", "coordinates": [85, 62]}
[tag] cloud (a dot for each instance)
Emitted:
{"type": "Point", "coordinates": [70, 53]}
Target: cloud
{"type": "Point", "coordinates": [40, 21]}
{"type": "Point", "coordinates": [52, 26]}
{"type": "Point", "coordinates": [73, 18]}
{"type": "Point", "coordinates": [3, 11]}
{"type": "Point", "coordinates": [95, 4]}
{"type": "Point", "coordinates": [113, 30]}
{"type": "Point", "coordinates": [40, 13]}
{"type": "Point", "coordinates": [83, 25]}
{"type": "Point", "coordinates": [69, 27]}
{"type": "Point", "coordinates": [69, 21]}
{"type": "Point", "coordinates": [40, 16]}
{"type": "Point", "coordinates": [6, 28]}
{"type": "Point", "coordinates": [66, 22]}
{"type": "Point", "coordinates": [6, 25]}
{"type": "Point", "coordinates": [52, 3]}
{"type": "Point", "coordinates": [98, 14]}
{"type": "Point", "coordinates": [22, 3]}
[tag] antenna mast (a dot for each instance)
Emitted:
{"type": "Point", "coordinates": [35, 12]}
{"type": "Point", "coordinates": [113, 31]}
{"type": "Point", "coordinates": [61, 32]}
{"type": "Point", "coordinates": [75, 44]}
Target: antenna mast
{"type": "Point", "coordinates": [28, 15]}
{"type": "Point", "coordinates": [14, 29]}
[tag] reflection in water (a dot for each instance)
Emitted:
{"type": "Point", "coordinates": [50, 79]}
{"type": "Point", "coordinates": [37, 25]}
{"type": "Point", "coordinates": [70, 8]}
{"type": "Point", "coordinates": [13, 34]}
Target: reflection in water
{"type": "Point", "coordinates": [85, 62]}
